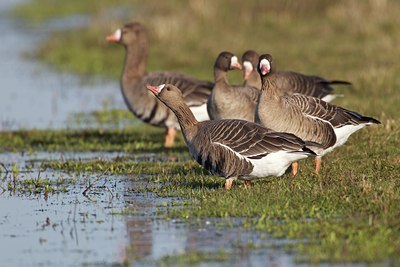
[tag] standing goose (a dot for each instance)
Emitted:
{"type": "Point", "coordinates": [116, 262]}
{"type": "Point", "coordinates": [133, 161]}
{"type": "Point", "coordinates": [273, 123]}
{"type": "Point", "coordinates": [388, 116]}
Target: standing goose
{"type": "Point", "coordinates": [226, 101]}
{"type": "Point", "coordinates": [290, 82]}
{"type": "Point", "coordinates": [233, 148]}
{"type": "Point", "coordinates": [140, 101]}
{"type": "Point", "coordinates": [309, 118]}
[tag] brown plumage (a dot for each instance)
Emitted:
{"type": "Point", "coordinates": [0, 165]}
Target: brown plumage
{"type": "Point", "coordinates": [227, 101]}
{"type": "Point", "coordinates": [233, 148]}
{"type": "Point", "coordinates": [140, 101]}
{"type": "Point", "coordinates": [290, 82]}
{"type": "Point", "coordinates": [307, 117]}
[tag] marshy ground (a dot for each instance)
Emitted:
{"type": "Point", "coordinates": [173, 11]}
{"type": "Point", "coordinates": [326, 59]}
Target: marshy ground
{"type": "Point", "coordinates": [149, 206]}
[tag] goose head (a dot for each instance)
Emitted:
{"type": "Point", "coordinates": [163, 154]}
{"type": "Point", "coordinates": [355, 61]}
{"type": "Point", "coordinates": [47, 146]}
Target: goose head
{"type": "Point", "coordinates": [249, 62]}
{"type": "Point", "coordinates": [129, 34]}
{"type": "Point", "coordinates": [169, 94]}
{"type": "Point", "coordinates": [227, 61]}
{"type": "Point", "coordinates": [266, 65]}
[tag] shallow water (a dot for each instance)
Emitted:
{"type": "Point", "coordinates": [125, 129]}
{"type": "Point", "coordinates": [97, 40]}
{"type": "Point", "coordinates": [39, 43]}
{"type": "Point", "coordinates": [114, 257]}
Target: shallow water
{"type": "Point", "coordinates": [32, 95]}
{"type": "Point", "coordinates": [67, 228]}
{"type": "Point", "coordinates": [61, 230]}
{"type": "Point", "coordinates": [22, 160]}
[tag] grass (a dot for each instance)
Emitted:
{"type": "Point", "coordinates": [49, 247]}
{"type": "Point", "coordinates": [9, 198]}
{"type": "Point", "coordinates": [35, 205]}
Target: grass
{"type": "Point", "coordinates": [348, 213]}
{"type": "Point", "coordinates": [106, 118]}
{"type": "Point", "coordinates": [20, 182]}
{"type": "Point", "coordinates": [300, 37]}
{"type": "Point", "coordinates": [194, 258]}
{"type": "Point", "coordinates": [142, 138]}
{"type": "Point", "coordinates": [39, 11]}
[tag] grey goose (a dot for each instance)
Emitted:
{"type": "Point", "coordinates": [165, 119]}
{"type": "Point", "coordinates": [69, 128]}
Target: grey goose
{"type": "Point", "coordinates": [309, 118]}
{"type": "Point", "coordinates": [235, 149]}
{"type": "Point", "coordinates": [290, 82]}
{"type": "Point", "coordinates": [140, 101]}
{"type": "Point", "coordinates": [227, 101]}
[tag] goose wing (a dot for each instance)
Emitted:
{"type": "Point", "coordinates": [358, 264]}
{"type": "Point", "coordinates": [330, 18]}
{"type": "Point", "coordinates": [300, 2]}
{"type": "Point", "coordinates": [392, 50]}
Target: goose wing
{"type": "Point", "coordinates": [305, 84]}
{"type": "Point", "coordinates": [319, 109]}
{"type": "Point", "coordinates": [251, 140]}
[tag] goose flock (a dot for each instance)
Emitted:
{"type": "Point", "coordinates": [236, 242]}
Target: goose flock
{"type": "Point", "coordinates": [257, 129]}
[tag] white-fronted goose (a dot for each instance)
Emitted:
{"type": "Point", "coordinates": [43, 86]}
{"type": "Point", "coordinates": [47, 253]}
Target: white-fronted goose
{"type": "Point", "coordinates": [226, 101]}
{"type": "Point", "coordinates": [233, 148]}
{"type": "Point", "coordinates": [140, 101]}
{"type": "Point", "coordinates": [309, 118]}
{"type": "Point", "coordinates": [289, 82]}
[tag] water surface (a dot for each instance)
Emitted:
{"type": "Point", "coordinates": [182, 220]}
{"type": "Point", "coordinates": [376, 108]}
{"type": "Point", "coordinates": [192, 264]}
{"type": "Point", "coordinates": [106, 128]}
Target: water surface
{"type": "Point", "coordinates": [32, 95]}
{"type": "Point", "coordinates": [67, 228]}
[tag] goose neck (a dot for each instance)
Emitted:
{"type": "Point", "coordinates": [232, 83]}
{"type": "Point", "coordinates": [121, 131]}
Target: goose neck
{"type": "Point", "coordinates": [185, 117]}
{"type": "Point", "coordinates": [268, 85]}
{"type": "Point", "coordinates": [135, 63]}
{"type": "Point", "coordinates": [220, 76]}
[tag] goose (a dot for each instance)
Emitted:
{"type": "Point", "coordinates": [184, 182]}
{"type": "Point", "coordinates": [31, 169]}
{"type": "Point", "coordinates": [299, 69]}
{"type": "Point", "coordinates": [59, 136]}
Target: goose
{"type": "Point", "coordinates": [227, 101]}
{"type": "Point", "coordinates": [290, 82]}
{"type": "Point", "coordinates": [307, 117]}
{"type": "Point", "coordinates": [235, 149]}
{"type": "Point", "coordinates": [142, 103]}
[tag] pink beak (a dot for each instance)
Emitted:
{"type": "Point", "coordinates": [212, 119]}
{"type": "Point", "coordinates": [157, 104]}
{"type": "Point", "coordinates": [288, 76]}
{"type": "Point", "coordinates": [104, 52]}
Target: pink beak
{"type": "Point", "coordinates": [236, 66]}
{"type": "Point", "coordinates": [154, 89]}
{"type": "Point", "coordinates": [246, 74]}
{"type": "Point", "coordinates": [112, 38]}
{"type": "Point", "coordinates": [264, 69]}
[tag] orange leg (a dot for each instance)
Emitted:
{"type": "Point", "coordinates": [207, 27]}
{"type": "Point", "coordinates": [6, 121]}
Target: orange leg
{"type": "Point", "coordinates": [318, 163]}
{"type": "Point", "coordinates": [295, 168]}
{"type": "Point", "coordinates": [170, 137]}
{"type": "Point", "coordinates": [228, 183]}
{"type": "Point", "coordinates": [248, 184]}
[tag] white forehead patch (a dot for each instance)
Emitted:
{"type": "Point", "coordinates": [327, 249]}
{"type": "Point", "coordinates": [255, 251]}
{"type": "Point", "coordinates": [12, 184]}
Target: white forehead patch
{"type": "Point", "coordinates": [248, 66]}
{"type": "Point", "coordinates": [160, 87]}
{"type": "Point", "coordinates": [234, 61]}
{"type": "Point", "coordinates": [118, 34]}
{"type": "Point", "coordinates": [265, 62]}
